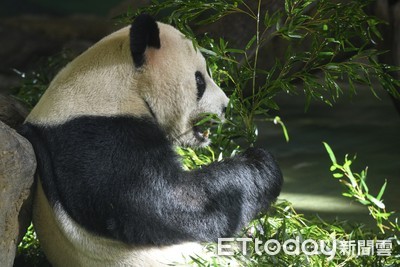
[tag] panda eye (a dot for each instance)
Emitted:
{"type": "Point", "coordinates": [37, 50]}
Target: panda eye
{"type": "Point", "coordinates": [200, 83]}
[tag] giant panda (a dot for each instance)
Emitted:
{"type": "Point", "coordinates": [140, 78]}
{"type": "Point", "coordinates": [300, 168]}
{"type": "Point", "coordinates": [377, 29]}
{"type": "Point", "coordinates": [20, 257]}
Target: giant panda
{"type": "Point", "coordinates": [111, 190]}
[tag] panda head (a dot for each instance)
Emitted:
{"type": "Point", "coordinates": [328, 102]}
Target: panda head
{"type": "Point", "coordinates": [171, 77]}
{"type": "Point", "coordinates": [148, 69]}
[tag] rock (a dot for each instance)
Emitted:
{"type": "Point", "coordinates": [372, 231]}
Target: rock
{"type": "Point", "coordinates": [17, 168]}
{"type": "Point", "coordinates": [12, 111]}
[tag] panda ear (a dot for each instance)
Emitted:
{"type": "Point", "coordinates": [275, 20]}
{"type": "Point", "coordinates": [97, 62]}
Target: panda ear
{"type": "Point", "coordinates": [144, 33]}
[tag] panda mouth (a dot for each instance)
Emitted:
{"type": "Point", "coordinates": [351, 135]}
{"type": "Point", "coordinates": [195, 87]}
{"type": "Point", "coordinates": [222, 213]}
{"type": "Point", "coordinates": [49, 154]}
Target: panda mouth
{"type": "Point", "coordinates": [202, 128]}
{"type": "Point", "coordinates": [201, 134]}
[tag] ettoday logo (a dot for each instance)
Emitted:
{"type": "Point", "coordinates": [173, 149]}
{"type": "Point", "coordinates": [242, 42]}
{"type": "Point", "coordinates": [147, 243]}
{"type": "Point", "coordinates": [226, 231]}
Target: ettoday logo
{"type": "Point", "coordinates": [309, 247]}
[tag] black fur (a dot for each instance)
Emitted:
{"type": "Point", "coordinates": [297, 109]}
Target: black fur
{"type": "Point", "coordinates": [120, 178]}
{"type": "Point", "coordinates": [201, 84]}
{"type": "Point", "coordinates": [144, 33]}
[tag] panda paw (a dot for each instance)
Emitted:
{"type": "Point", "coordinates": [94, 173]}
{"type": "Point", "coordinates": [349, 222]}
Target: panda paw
{"type": "Point", "coordinates": [269, 173]}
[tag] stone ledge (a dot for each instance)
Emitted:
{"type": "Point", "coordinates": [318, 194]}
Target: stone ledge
{"type": "Point", "coordinates": [17, 168]}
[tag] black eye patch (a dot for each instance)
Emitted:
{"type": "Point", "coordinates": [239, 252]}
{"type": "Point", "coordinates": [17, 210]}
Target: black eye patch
{"type": "Point", "coordinates": [200, 83]}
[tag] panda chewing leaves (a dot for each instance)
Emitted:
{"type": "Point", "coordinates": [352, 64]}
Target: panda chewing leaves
{"type": "Point", "coordinates": [111, 190]}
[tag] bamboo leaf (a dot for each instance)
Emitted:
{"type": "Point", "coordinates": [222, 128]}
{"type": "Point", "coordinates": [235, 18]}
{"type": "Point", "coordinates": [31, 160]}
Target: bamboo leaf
{"type": "Point", "coordinates": [364, 202]}
{"type": "Point", "coordinates": [285, 132]}
{"type": "Point", "coordinates": [364, 185]}
{"type": "Point", "coordinates": [376, 201]}
{"type": "Point", "coordinates": [330, 152]}
{"type": "Point", "coordinates": [250, 43]}
{"type": "Point", "coordinates": [381, 191]}
{"type": "Point", "coordinates": [338, 175]}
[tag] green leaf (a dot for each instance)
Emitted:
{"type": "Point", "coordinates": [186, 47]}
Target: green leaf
{"type": "Point", "coordinates": [250, 43]}
{"type": "Point", "coordinates": [237, 51]}
{"type": "Point", "coordinates": [277, 120]}
{"type": "Point", "coordinates": [287, 6]}
{"type": "Point", "coordinates": [338, 175]}
{"type": "Point", "coordinates": [207, 117]}
{"type": "Point", "coordinates": [374, 29]}
{"type": "Point", "coordinates": [364, 185]}
{"type": "Point", "coordinates": [330, 152]}
{"type": "Point", "coordinates": [364, 202]}
{"type": "Point", "coordinates": [295, 36]}
{"type": "Point", "coordinates": [347, 164]}
{"type": "Point", "coordinates": [351, 177]}
{"type": "Point", "coordinates": [326, 53]}
{"type": "Point", "coordinates": [376, 201]}
{"type": "Point", "coordinates": [382, 191]}
{"type": "Point", "coordinates": [384, 215]}
{"type": "Point", "coordinates": [207, 52]}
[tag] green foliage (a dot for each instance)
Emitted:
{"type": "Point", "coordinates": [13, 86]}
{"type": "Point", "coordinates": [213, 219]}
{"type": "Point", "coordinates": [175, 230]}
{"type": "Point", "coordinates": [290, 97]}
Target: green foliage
{"type": "Point", "coordinates": [193, 160]}
{"type": "Point", "coordinates": [339, 38]}
{"type": "Point", "coordinates": [29, 241]}
{"type": "Point", "coordinates": [29, 253]}
{"type": "Point", "coordinates": [283, 223]}
{"type": "Point", "coordinates": [357, 189]}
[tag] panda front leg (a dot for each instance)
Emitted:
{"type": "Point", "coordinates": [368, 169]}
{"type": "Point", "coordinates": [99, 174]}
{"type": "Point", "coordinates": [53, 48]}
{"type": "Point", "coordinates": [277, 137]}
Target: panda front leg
{"type": "Point", "coordinates": [235, 191]}
{"type": "Point", "coordinates": [215, 201]}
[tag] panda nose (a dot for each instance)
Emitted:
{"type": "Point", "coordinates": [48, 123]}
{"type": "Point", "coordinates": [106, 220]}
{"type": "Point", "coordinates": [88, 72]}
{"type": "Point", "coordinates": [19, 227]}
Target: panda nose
{"type": "Point", "coordinates": [223, 110]}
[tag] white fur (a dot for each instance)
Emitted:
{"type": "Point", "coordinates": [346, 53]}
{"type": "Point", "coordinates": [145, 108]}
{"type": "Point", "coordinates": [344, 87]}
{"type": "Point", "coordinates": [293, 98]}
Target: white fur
{"type": "Point", "coordinates": [67, 244]}
{"type": "Point", "coordinates": [101, 81]}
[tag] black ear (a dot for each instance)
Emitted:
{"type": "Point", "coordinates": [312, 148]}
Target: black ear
{"type": "Point", "coordinates": [144, 33]}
